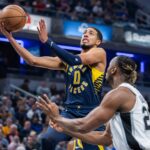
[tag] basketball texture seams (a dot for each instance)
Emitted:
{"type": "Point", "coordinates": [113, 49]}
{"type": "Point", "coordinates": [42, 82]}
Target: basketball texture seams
{"type": "Point", "coordinates": [14, 18]}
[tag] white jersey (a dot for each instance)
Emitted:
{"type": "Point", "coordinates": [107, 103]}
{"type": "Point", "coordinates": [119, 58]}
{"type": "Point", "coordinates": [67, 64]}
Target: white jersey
{"type": "Point", "coordinates": [131, 130]}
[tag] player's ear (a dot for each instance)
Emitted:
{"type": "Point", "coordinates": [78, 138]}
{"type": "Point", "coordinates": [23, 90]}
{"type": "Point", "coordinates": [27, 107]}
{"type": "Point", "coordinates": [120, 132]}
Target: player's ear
{"type": "Point", "coordinates": [113, 70]}
{"type": "Point", "coordinates": [98, 42]}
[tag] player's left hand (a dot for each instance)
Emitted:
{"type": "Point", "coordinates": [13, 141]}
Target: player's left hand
{"type": "Point", "coordinates": [50, 108]}
{"type": "Point", "coordinates": [4, 31]}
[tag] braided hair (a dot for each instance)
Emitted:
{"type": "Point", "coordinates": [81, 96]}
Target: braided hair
{"type": "Point", "coordinates": [128, 68]}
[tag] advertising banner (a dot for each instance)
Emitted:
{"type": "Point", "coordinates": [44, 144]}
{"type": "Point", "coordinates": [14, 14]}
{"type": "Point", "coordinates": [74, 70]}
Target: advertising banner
{"type": "Point", "coordinates": [137, 37]}
{"type": "Point", "coordinates": [75, 29]}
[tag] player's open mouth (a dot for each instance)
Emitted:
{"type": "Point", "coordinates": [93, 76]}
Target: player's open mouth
{"type": "Point", "coordinates": [85, 40]}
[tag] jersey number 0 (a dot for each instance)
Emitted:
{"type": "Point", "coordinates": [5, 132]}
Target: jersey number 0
{"type": "Point", "coordinates": [77, 77]}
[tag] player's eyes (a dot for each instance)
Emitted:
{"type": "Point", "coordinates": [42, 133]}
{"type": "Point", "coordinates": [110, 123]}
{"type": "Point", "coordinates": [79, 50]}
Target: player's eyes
{"type": "Point", "coordinates": [91, 33]}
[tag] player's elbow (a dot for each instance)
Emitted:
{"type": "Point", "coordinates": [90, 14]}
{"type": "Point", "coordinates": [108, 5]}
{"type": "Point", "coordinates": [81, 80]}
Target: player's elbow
{"type": "Point", "coordinates": [32, 61]}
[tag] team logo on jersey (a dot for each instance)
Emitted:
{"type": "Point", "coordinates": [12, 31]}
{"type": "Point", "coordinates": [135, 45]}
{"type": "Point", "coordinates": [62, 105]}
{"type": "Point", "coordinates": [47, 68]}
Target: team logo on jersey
{"type": "Point", "coordinates": [77, 86]}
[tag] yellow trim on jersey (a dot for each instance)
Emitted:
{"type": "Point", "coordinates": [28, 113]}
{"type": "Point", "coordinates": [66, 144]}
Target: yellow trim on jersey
{"type": "Point", "coordinates": [96, 74]}
{"type": "Point", "coordinates": [77, 142]}
{"type": "Point", "coordinates": [100, 147]}
{"type": "Point", "coordinates": [97, 78]}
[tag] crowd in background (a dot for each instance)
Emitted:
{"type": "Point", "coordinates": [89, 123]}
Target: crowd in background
{"type": "Point", "coordinates": [93, 11]}
{"type": "Point", "coordinates": [21, 122]}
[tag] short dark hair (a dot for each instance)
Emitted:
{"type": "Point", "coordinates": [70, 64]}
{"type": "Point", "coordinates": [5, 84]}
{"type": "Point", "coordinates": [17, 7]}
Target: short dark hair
{"type": "Point", "coordinates": [99, 34]}
{"type": "Point", "coordinates": [128, 68]}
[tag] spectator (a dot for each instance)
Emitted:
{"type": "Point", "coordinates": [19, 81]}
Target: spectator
{"type": "Point", "coordinates": [43, 89]}
{"type": "Point", "coordinates": [3, 141]}
{"type": "Point", "coordinates": [25, 85]}
{"type": "Point", "coordinates": [97, 9]}
{"type": "Point", "coordinates": [26, 129]}
{"type": "Point", "coordinates": [32, 142]}
{"type": "Point", "coordinates": [36, 125]}
{"type": "Point", "coordinates": [53, 89]}
{"type": "Point", "coordinates": [14, 143]}
{"type": "Point", "coordinates": [79, 8]}
{"type": "Point", "coordinates": [13, 132]}
{"type": "Point", "coordinates": [39, 6]}
{"type": "Point", "coordinates": [6, 128]}
{"type": "Point", "coordinates": [21, 112]}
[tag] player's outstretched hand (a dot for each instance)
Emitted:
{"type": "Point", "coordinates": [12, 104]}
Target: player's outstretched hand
{"type": "Point", "coordinates": [4, 31]}
{"type": "Point", "coordinates": [50, 108]}
{"type": "Point", "coordinates": [43, 34]}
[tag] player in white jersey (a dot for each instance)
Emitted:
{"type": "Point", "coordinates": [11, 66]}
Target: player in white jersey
{"type": "Point", "coordinates": [123, 108]}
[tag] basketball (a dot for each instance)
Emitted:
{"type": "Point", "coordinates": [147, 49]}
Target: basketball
{"type": "Point", "coordinates": [14, 18]}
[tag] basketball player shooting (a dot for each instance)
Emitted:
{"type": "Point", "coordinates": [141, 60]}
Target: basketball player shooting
{"type": "Point", "coordinates": [84, 77]}
{"type": "Point", "coordinates": [124, 108]}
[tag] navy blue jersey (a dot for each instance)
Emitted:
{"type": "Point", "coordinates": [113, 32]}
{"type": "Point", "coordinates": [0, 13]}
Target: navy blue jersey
{"type": "Point", "coordinates": [83, 85]}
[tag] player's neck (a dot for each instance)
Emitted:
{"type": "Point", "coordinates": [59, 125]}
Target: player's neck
{"type": "Point", "coordinates": [87, 48]}
{"type": "Point", "coordinates": [117, 81]}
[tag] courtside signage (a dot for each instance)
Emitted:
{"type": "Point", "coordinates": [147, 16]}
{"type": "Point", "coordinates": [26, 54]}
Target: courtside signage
{"type": "Point", "coordinates": [137, 37]}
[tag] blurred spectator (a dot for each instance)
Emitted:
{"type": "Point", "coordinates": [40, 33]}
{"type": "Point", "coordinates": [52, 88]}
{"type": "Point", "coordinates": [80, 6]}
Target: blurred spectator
{"type": "Point", "coordinates": [7, 103]}
{"type": "Point", "coordinates": [12, 133]}
{"type": "Point", "coordinates": [120, 10]}
{"type": "Point", "coordinates": [6, 127]}
{"type": "Point", "coordinates": [63, 6]}
{"type": "Point", "coordinates": [21, 147]}
{"type": "Point", "coordinates": [14, 143]}
{"type": "Point", "coordinates": [39, 6]}
{"type": "Point", "coordinates": [27, 7]}
{"type": "Point", "coordinates": [43, 89]}
{"type": "Point", "coordinates": [59, 75]}
{"type": "Point", "coordinates": [36, 125]}
{"type": "Point", "coordinates": [97, 9]}
{"type": "Point", "coordinates": [33, 111]}
{"type": "Point", "coordinates": [32, 142]}
{"type": "Point", "coordinates": [79, 8]}
{"type": "Point", "coordinates": [25, 85]}
{"type": "Point", "coordinates": [74, 16]}
{"type": "Point", "coordinates": [3, 141]}
{"type": "Point", "coordinates": [21, 112]}
{"type": "Point", "coordinates": [26, 129]}
{"type": "Point", "coordinates": [53, 89]}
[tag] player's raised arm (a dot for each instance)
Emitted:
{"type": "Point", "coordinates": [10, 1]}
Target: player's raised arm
{"type": "Point", "coordinates": [93, 56]}
{"type": "Point", "coordinates": [43, 62]}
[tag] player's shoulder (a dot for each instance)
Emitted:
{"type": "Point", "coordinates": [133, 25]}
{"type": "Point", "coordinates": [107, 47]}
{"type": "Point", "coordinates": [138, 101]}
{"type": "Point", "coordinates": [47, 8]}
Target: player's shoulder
{"type": "Point", "coordinates": [99, 49]}
{"type": "Point", "coordinates": [118, 93]}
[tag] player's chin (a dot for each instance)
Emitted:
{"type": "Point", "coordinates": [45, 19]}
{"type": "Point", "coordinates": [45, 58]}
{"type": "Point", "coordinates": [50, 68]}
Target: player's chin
{"type": "Point", "coordinates": [86, 46]}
